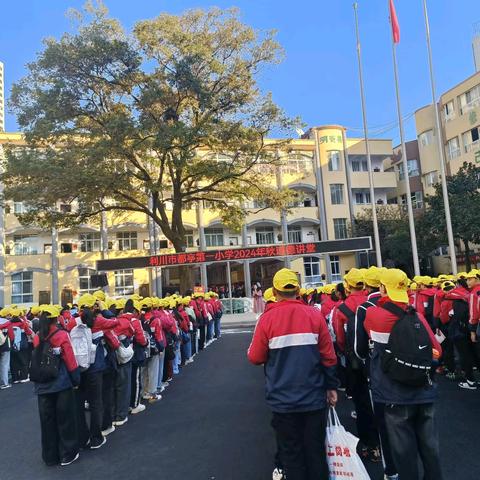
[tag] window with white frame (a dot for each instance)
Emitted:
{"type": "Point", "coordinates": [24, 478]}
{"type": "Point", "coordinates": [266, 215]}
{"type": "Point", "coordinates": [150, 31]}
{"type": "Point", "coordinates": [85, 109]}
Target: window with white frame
{"type": "Point", "coordinates": [84, 280]}
{"type": "Point", "coordinates": [469, 100]}
{"type": "Point", "coordinates": [453, 148]}
{"type": "Point", "coordinates": [214, 237]}
{"type": "Point", "coordinates": [417, 200]}
{"type": "Point", "coordinates": [312, 269]}
{"type": "Point", "coordinates": [25, 244]}
{"type": "Point", "coordinates": [335, 268]}
{"type": "Point", "coordinates": [471, 139]}
{"type": "Point", "coordinates": [449, 111]}
{"type": "Point", "coordinates": [334, 164]}
{"type": "Point", "coordinates": [22, 287]}
{"type": "Point", "coordinates": [90, 242]}
{"type": "Point", "coordinates": [431, 178]}
{"type": "Point", "coordinates": [294, 234]}
{"type": "Point", "coordinates": [336, 193]}
{"type": "Point", "coordinates": [297, 163]}
{"type": "Point", "coordinates": [189, 238]}
{"type": "Point", "coordinates": [426, 138]}
{"type": "Point", "coordinates": [124, 282]}
{"type": "Point", "coordinates": [413, 170]}
{"type": "Point", "coordinates": [340, 228]}
{"type": "Point", "coordinates": [359, 166]}
{"type": "Point", "coordinates": [127, 240]}
{"type": "Point", "coordinates": [362, 198]}
{"type": "Point", "coordinates": [19, 208]}
{"type": "Point", "coordinates": [264, 235]}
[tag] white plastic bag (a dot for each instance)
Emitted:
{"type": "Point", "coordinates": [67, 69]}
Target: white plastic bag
{"type": "Point", "coordinates": [343, 460]}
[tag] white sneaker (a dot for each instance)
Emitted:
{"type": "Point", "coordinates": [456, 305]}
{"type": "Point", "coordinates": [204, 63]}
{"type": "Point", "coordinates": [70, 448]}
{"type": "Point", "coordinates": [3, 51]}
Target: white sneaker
{"type": "Point", "coordinates": [154, 398]}
{"type": "Point", "coordinates": [68, 462]}
{"type": "Point", "coordinates": [108, 431]}
{"type": "Point", "coordinates": [25, 380]}
{"type": "Point", "coordinates": [139, 408]}
{"type": "Point", "coordinates": [190, 360]}
{"type": "Point", "coordinates": [468, 385]}
{"type": "Point", "coordinates": [278, 474]}
{"type": "Point", "coordinates": [165, 384]}
{"type": "Point", "coordinates": [3, 387]}
{"type": "Point", "coordinates": [94, 447]}
{"type": "Point", "coordinates": [391, 477]}
{"type": "Point", "coordinates": [119, 423]}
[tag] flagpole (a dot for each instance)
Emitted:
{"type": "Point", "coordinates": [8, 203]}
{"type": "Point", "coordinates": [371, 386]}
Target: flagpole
{"type": "Point", "coordinates": [411, 222]}
{"type": "Point", "coordinates": [441, 151]}
{"type": "Point", "coordinates": [376, 234]}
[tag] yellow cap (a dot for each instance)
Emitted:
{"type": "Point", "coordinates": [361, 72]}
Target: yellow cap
{"type": "Point", "coordinates": [447, 285]}
{"type": "Point", "coordinates": [50, 311]}
{"type": "Point", "coordinates": [269, 296]}
{"type": "Point", "coordinates": [444, 277]}
{"type": "Point", "coordinates": [147, 302]}
{"type": "Point", "coordinates": [354, 278]}
{"type": "Point", "coordinates": [372, 277]}
{"type": "Point", "coordinates": [413, 286]}
{"type": "Point", "coordinates": [425, 280]}
{"type": "Point", "coordinates": [99, 295]}
{"type": "Point", "coordinates": [417, 279]}
{"type": "Point", "coordinates": [285, 280]}
{"type": "Point", "coordinates": [474, 273]}
{"type": "Point", "coordinates": [310, 291]}
{"type": "Point", "coordinates": [461, 275]}
{"type": "Point", "coordinates": [86, 300]}
{"type": "Point", "coordinates": [330, 288]}
{"type": "Point", "coordinates": [396, 283]}
{"type": "Point", "coordinates": [35, 310]}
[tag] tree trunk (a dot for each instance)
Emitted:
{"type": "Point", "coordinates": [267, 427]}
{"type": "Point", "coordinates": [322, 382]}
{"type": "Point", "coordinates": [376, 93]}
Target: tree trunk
{"type": "Point", "coordinates": [468, 263]}
{"type": "Point", "coordinates": [185, 271]}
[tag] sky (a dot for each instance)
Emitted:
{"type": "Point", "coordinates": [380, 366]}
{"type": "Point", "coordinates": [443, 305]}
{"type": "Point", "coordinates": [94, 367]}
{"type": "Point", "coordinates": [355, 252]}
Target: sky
{"type": "Point", "coordinates": [318, 79]}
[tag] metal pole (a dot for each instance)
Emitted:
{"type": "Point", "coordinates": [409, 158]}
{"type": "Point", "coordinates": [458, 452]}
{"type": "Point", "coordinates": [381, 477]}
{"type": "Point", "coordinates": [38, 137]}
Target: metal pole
{"type": "Point", "coordinates": [152, 248]}
{"type": "Point", "coordinates": [54, 270]}
{"type": "Point", "coordinates": [203, 244]}
{"type": "Point", "coordinates": [411, 223]}
{"type": "Point", "coordinates": [283, 219]}
{"type": "Point", "coordinates": [246, 264]}
{"type": "Point", "coordinates": [322, 211]}
{"type": "Point", "coordinates": [376, 234]}
{"type": "Point", "coordinates": [441, 151]}
{"type": "Point", "coordinates": [2, 242]}
{"type": "Point", "coordinates": [104, 241]}
{"type": "Point", "coordinates": [229, 275]}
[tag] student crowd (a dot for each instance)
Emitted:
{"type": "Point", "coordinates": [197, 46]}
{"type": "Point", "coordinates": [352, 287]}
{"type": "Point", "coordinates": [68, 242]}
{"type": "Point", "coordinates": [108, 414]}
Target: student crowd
{"type": "Point", "coordinates": [388, 336]}
{"type": "Point", "coordinates": [101, 355]}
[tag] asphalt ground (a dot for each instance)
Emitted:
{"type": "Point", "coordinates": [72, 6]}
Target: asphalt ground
{"type": "Point", "coordinates": [212, 424]}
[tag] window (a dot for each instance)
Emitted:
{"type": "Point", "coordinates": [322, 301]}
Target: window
{"type": "Point", "coordinates": [470, 139]}
{"type": "Point", "coordinates": [19, 208]}
{"type": "Point", "coordinates": [214, 237]}
{"type": "Point", "coordinates": [47, 248]}
{"type": "Point", "coordinates": [413, 168]}
{"type": "Point", "coordinates": [417, 200]}
{"type": "Point", "coordinates": [65, 208]}
{"type": "Point", "coordinates": [294, 234]}
{"type": "Point", "coordinates": [362, 198]}
{"type": "Point", "coordinates": [359, 166]}
{"type": "Point", "coordinates": [260, 204]}
{"type": "Point", "coordinates": [334, 161]}
{"type": "Point", "coordinates": [336, 193]}
{"type": "Point", "coordinates": [312, 269]}
{"type": "Point", "coordinates": [298, 163]}
{"type": "Point", "coordinates": [25, 244]}
{"type": "Point", "coordinates": [127, 240]}
{"type": "Point", "coordinates": [65, 248]}
{"type": "Point", "coordinates": [335, 268]}
{"type": "Point", "coordinates": [84, 283]}
{"type": "Point", "coordinates": [401, 172]}
{"type": "Point", "coordinates": [449, 111]}
{"type": "Point", "coordinates": [453, 148]}
{"type": "Point", "coordinates": [392, 201]}
{"type": "Point", "coordinates": [124, 282]}
{"type": "Point", "coordinates": [431, 178]}
{"type": "Point", "coordinates": [469, 99]}
{"type": "Point", "coordinates": [90, 242]}
{"type": "Point", "coordinates": [340, 228]}
{"type": "Point", "coordinates": [22, 287]}
{"type": "Point", "coordinates": [426, 138]}
{"type": "Point", "coordinates": [264, 235]}
{"type": "Point", "coordinates": [233, 241]}
{"type": "Point", "coordinates": [189, 238]}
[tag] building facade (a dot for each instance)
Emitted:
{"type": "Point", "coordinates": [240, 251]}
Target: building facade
{"type": "Point", "coordinates": [2, 98]}
{"type": "Point", "coordinates": [327, 169]}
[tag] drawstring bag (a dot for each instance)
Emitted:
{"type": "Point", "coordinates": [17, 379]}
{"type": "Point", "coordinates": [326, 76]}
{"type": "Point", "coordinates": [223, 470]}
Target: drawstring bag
{"type": "Point", "coordinates": [341, 446]}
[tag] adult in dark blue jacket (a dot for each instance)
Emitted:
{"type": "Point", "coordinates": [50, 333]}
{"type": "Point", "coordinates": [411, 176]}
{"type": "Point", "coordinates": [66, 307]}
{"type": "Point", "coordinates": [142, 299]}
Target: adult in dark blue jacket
{"type": "Point", "coordinates": [292, 340]}
{"type": "Point", "coordinates": [409, 410]}
{"type": "Point", "coordinates": [56, 399]}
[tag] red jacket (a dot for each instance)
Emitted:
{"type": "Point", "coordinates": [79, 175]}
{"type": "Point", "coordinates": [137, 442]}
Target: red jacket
{"type": "Point", "coordinates": [67, 321]}
{"type": "Point", "coordinates": [124, 328]}
{"type": "Point", "coordinates": [293, 342]}
{"type": "Point", "coordinates": [7, 328]}
{"type": "Point", "coordinates": [155, 325]}
{"type": "Point", "coordinates": [437, 302]}
{"type": "Point", "coordinates": [474, 307]}
{"type": "Point", "coordinates": [185, 323]}
{"type": "Point", "coordinates": [339, 320]}
{"type": "Point", "coordinates": [422, 299]}
{"type": "Point", "coordinates": [61, 340]}
{"type": "Point", "coordinates": [102, 324]}
{"type": "Point", "coordinates": [328, 305]}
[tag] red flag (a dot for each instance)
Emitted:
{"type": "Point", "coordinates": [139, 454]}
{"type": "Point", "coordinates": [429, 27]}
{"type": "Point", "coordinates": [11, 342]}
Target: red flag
{"type": "Point", "coordinates": [394, 22]}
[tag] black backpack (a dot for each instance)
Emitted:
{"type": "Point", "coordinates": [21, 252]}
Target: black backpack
{"type": "Point", "coordinates": [408, 355]}
{"type": "Point", "coordinates": [354, 361]}
{"type": "Point", "coordinates": [45, 364]}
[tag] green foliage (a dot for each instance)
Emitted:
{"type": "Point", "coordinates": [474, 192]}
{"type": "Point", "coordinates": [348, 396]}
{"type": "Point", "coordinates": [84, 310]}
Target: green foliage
{"type": "Point", "coordinates": [113, 118]}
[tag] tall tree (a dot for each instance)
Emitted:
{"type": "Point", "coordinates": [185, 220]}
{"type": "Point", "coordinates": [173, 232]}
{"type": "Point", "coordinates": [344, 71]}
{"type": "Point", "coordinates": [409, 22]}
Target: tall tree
{"type": "Point", "coordinates": [464, 196]}
{"type": "Point", "coordinates": [170, 111]}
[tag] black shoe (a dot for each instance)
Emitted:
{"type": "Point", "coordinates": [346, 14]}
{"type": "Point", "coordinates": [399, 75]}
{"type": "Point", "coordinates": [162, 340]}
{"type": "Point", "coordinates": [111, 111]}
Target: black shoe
{"type": "Point", "coordinates": [98, 443]}
{"type": "Point", "coordinates": [68, 460]}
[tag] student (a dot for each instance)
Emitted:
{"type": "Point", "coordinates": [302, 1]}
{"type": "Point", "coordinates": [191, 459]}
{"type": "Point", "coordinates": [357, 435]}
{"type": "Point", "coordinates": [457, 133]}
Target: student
{"type": "Point", "coordinates": [20, 348]}
{"type": "Point", "coordinates": [409, 410]}
{"type": "Point", "coordinates": [56, 399]}
{"type": "Point", "coordinates": [6, 331]}
{"type": "Point", "coordinates": [300, 377]}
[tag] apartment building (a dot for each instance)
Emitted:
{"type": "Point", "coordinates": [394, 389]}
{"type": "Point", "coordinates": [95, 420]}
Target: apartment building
{"type": "Point", "coordinates": [327, 169]}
